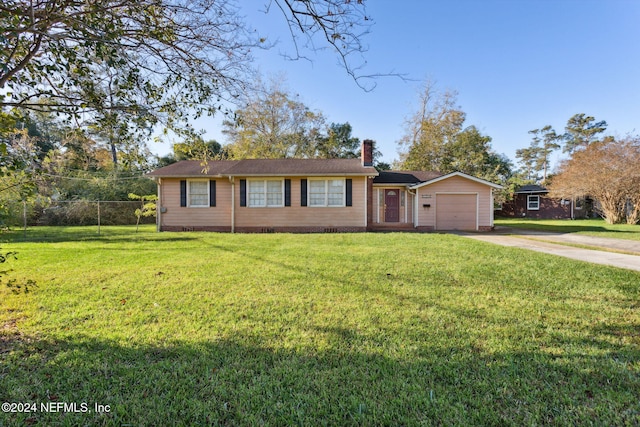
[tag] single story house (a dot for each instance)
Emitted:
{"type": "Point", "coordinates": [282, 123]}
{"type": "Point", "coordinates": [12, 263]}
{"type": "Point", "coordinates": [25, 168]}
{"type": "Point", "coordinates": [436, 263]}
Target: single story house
{"type": "Point", "coordinates": [532, 201]}
{"type": "Point", "coordinates": [317, 195]}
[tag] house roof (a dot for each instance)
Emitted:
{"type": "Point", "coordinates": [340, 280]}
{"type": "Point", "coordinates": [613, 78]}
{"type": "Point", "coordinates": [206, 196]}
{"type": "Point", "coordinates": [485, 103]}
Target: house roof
{"type": "Point", "coordinates": [460, 174]}
{"type": "Point", "coordinates": [191, 168]}
{"type": "Point", "coordinates": [266, 167]}
{"type": "Point", "coordinates": [405, 177]}
{"type": "Point", "coordinates": [532, 188]}
{"type": "Point", "coordinates": [280, 167]}
{"type": "Point", "coordinates": [416, 179]}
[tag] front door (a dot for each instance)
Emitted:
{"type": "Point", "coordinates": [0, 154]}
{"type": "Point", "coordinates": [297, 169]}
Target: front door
{"type": "Point", "coordinates": [391, 205]}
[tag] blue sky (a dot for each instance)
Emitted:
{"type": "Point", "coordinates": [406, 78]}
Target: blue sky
{"type": "Point", "coordinates": [517, 65]}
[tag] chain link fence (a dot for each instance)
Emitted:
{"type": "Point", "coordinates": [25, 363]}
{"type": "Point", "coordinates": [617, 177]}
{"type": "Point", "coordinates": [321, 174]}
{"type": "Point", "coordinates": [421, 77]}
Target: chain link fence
{"type": "Point", "coordinates": [87, 212]}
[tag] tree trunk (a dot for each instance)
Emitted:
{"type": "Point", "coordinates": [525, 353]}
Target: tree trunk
{"type": "Point", "coordinates": [114, 151]}
{"type": "Point", "coordinates": [612, 209]}
{"type": "Point", "coordinates": [633, 211]}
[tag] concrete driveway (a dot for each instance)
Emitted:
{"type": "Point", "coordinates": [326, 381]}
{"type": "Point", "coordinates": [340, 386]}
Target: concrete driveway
{"type": "Point", "coordinates": [542, 241]}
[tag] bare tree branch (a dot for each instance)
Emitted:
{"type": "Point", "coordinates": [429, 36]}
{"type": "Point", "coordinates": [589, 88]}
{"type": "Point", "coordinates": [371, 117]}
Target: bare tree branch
{"type": "Point", "coordinates": [340, 25]}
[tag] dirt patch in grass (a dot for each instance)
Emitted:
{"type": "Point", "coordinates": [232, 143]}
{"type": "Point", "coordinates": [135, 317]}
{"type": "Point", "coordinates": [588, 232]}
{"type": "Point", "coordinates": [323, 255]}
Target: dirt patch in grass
{"type": "Point", "coordinates": [10, 335]}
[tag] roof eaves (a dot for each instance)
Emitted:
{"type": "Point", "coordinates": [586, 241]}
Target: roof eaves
{"type": "Point", "coordinates": [301, 174]}
{"type": "Point", "coordinates": [532, 192]}
{"type": "Point", "coordinates": [199, 176]}
{"type": "Point", "coordinates": [460, 174]}
{"type": "Point", "coordinates": [395, 184]}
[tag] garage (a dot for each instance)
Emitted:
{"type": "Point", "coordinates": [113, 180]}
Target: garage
{"type": "Point", "coordinates": [456, 211]}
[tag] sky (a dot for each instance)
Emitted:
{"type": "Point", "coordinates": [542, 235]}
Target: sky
{"type": "Point", "coordinates": [516, 65]}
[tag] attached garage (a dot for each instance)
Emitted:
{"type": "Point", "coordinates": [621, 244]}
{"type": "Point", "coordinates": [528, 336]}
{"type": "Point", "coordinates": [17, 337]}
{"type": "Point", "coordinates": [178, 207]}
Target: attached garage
{"type": "Point", "coordinates": [455, 201]}
{"type": "Point", "coordinates": [456, 211]}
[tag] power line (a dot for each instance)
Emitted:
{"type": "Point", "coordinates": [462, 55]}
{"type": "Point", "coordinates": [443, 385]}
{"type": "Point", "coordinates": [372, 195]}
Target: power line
{"type": "Point", "coordinates": [74, 178]}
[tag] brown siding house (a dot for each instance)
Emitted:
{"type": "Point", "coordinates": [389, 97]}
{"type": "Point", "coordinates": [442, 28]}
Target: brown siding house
{"type": "Point", "coordinates": [317, 195]}
{"type": "Point", "coordinates": [532, 201]}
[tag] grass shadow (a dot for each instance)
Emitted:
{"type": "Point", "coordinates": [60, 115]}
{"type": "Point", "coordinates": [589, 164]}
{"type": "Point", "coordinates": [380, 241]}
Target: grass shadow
{"type": "Point", "coordinates": [238, 382]}
{"type": "Point", "coordinates": [558, 228]}
{"type": "Point", "coordinates": [69, 234]}
{"type": "Point", "coordinates": [568, 226]}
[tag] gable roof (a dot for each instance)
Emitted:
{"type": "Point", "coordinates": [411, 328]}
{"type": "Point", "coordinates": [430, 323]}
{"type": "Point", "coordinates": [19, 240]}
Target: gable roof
{"type": "Point", "coordinates": [531, 188]}
{"type": "Point", "coordinates": [405, 177]}
{"type": "Point", "coordinates": [306, 167]}
{"type": "Point", "coordinates": [265, 167]}
{"type": "Point", "coordinates": [417, 179]}
{"type": "Point", "coordinates": [460, 174]}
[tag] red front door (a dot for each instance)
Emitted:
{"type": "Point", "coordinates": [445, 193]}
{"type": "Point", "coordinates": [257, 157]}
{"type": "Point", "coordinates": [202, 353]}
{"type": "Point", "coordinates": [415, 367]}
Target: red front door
{"type": "Point", "coordinates": [391, 205]}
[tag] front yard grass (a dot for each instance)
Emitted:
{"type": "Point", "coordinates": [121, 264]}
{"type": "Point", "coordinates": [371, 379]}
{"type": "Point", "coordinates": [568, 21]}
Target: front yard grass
{"type": "Point", "coordinates": [590, 227]}
{"type": "Point", "coordinates": [317, 329]}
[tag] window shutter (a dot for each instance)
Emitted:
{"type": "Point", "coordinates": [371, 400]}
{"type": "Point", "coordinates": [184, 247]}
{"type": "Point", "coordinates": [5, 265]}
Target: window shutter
{"type": "Point", "coordinates": [303, 192]}
{"type": "Point", "coordinates": [349, 191]}
{"type": "Point", "coordinates": [212, 193]}
{"type": "Point", "coordinates": [183, 193]}
{"type": "Point", "coordinates": [243, 192]}
{"type": "Point", "coordinates": [287, 192]}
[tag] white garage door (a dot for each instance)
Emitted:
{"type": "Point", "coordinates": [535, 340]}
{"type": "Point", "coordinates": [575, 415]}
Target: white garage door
{"type": "Point", "coordinates": [456, 212]}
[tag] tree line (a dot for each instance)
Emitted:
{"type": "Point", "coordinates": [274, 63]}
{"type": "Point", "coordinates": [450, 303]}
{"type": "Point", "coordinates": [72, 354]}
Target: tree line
{"type": "Point", "coordinates": [601, 167]}
{"type": "Point", "coordinates": [85, 85]}
{"type": "Point", "coordinates": [46, 158]}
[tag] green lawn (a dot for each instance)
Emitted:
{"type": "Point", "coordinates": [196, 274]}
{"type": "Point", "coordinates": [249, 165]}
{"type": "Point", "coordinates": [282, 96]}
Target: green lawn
{"type": "Point", "coordinates": [592, 227]}
{"type": "Point", "coordinates": [319, 329]}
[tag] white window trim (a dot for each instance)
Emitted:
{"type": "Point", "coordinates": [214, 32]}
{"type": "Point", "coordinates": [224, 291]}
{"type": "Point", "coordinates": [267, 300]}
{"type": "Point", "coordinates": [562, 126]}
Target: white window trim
{"type": "Point", "coordinates": [326, 192]}
{"type": "Point", "coordinates": [529, 199]}
{"type": "Point", "coordinates": [266, 198]}
{"type": "Point", "coordinates": [206, 205]}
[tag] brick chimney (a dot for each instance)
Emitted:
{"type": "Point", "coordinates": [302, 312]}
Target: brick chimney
{"type": "Point", "coordinates": [367, 153]}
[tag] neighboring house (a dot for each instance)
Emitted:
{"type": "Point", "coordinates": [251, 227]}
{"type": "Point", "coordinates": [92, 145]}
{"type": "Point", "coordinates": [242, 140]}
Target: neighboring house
{"type": "Point", "coordinates": [532, 201]}
{"type": "Point", "coordinates": [317, 195]}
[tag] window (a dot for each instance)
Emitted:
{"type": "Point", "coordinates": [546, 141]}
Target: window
{"type": "Point", "coordinates": [198, 194]}
{"type": "Point", "coordinates": [533, 203]}
{"type": "Point", "coordinates": [265, 193]}
{"type": "Point", "coordinates": [326, 192]}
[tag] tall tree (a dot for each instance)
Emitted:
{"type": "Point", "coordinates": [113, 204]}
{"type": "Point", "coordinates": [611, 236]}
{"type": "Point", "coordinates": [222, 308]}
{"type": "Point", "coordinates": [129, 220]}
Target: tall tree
{"type": "Point", "coordinates": [550, 143]}
{"type": "Point", "coordinates": [18, 171]}
{"type": "Point", "coordinates": [537, 157]}
{"type": "Point", "coordinates": [608, 172]}
{"type": "Point", "coordinates": [436, 123]}
{"type": "Point", "coordinates": [582, 130]}
{"type": "Point", "coordinates": [435, 139]}
{"type": "Point", "coordinates": [528, 159]}
{"type": "Point", "coordinates": [198, 149]}
{"type": "Point", "coordinates": [466, 152]}
{"type": "Point", "coordinates": [164, 57]}
{"type": "Point", "coordinates": [273, 124]}
{"type": "Point", "coordinates": [123, 130]}
{"type": "Point", "coordinates": [338, 143]}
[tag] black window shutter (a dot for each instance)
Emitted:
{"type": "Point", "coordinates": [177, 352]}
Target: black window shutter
{"type": "Point", "coordinates": [212, 193]}
{"type": "Point", "coordinates": [287, 192]}
{"type": "Point", "coordinates": [183, 193]}
{"type": "Point", "coordinates": [349, 191]}
{"type": "Point", "coordinates": [303, 192]}
{"type": "Point", "coordinates": [243, 192]}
